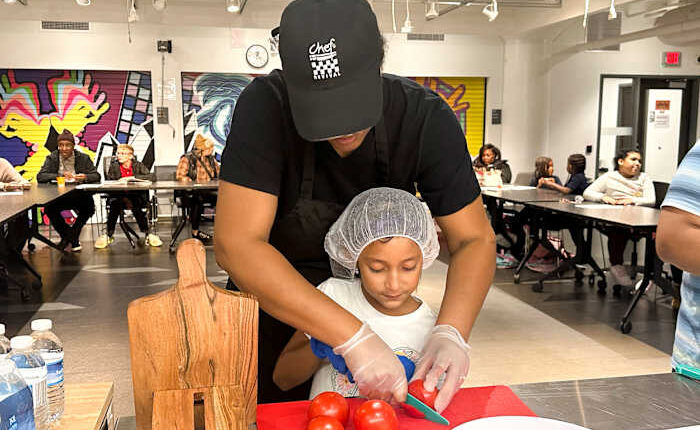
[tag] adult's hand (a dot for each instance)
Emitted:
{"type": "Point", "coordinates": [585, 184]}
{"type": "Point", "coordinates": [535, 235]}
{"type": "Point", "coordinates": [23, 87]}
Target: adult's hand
{"type": "Point", "coordinates": [185, 179]}
{"type": "Point", "coordinates": [609, 200]}
{"type": "Point", "coordinates": [377, 371]}
{"type": "Point", "coordinates": [447, 353]}
{"type": "Point", "coordinates": [69, 175]}
{"type": "Point", "coordinates": [80, 177]}
{"type": "Point", "coordinates": [624, 202]}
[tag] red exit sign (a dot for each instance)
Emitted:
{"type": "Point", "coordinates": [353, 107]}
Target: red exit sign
{"type": "Point", "coordinates": [671, 59]}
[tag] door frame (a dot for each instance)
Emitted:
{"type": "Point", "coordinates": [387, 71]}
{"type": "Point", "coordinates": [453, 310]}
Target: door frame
{"type": "Point", "coordinates": [689, 117]}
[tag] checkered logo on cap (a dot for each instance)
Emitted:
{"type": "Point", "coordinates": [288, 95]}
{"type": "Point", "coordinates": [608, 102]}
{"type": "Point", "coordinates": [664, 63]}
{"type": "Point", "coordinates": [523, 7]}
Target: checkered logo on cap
{"type": "Point", "coordinates": [324, 60]}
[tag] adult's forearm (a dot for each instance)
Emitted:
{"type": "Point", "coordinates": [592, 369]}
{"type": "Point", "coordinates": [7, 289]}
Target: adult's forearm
{"type": "Point", "coordinates": [258, 268]}
{"type": "Point", "coordinates": [678, 239]}
{"type": "Point", "coordinates": [469, 278]}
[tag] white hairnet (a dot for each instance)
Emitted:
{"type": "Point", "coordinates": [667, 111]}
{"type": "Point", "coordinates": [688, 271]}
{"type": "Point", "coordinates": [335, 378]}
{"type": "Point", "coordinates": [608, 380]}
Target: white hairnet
{"type": "Point", "coordinates": [375, 214]}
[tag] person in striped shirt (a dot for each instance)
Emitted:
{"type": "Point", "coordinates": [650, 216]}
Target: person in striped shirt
{"type": "Point", "coordinates": [678, 243]}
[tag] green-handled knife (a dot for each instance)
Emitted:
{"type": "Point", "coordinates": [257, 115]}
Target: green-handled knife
{"type": "Point", "coordinates": [428, 413]}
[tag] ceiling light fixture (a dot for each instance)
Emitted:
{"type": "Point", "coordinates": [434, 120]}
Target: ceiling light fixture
{"type": "Point", "coordinates": [585, 13]}
{"type": "Point", "coordinates": [407, 25]}
{"type": "Point", "coordinates": [612, 13]}
{"type": "Point", "coordinates": [83, 2]}
{"type": "Point", "coordinates": [235, 6]}
{"type": "Point", "coordinates": [491, 10]}
{"type": "Point", "coordinates": [432, 12]}
{"type": "Point", "coordinates": [159, 5]}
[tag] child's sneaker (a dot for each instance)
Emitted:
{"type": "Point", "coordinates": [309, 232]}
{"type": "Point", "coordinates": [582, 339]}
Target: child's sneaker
{"type": "Point", "coordinates": [103, 241]}
{"type": "Point", "coordinates": [505, 261]}
{"type": "Point", "coordinates": [620, 276]}
{"type": "Point", "coordinates": [153, 240]}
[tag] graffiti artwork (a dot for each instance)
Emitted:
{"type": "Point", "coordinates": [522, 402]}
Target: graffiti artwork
{"type": "Point", "coordinates": [467, 98]}
{"type": "Point", "coordinates": [100, 108]}
{"type": "Point", "coordinates": [208, 100]}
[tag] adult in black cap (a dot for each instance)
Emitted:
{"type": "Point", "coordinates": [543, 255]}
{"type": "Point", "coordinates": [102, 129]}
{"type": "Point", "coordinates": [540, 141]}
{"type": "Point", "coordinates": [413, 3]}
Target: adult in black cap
{"type": "Point", "coordinates": [75, 167]}
{"type": "Point", "coordinates": [303, 142]}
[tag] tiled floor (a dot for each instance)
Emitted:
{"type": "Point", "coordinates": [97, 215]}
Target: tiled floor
{"type": "Point", "coordinates": [563, 333]}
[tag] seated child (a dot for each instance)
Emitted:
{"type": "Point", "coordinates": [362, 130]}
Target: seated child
{"type": "Point", "coordinates": [378, 248]}
{"type": "Point", "coordinates": [544, 172]}
{"type": "Point", "coordinates": [577, 182]}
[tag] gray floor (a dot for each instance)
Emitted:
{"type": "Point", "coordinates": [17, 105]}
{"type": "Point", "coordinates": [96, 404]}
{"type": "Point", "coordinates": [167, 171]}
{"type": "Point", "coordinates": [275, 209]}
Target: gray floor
{"type": "Point", "coordinates": [87, 293]}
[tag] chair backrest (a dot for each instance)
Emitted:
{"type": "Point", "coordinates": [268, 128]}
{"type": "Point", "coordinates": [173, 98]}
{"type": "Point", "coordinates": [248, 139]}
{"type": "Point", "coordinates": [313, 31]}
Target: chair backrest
{"type": "Point", "coordinates": [660, 188]}
{"type": "Point", "coordinates": [523, 178]}
{"type": "Point", "coordinates": [106, 161]}
{"type": "Point", "coordinates": [193, 336]}
{"type": "Point", "coordinates": [165, 173]}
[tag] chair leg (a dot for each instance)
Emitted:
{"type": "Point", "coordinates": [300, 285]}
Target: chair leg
{"type": "Point", "coordinates": [128, 231]}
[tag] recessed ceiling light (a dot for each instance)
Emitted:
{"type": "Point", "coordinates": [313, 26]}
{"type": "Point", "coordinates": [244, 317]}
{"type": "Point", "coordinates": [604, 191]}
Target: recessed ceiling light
{"type": "Point", "coordinates": [84, 2]}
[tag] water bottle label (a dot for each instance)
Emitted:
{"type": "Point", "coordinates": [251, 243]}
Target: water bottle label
{"type": "Point", "coordinates": [16, 412]}
{"type": "Point", "coordinates": [54, 367]}
{"type": "Point", "coordinates": [36, 380]}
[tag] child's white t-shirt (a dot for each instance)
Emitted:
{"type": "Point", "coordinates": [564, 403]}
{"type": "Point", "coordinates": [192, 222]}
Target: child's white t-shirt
{"type": "Point", "coordinates": [405, 334]}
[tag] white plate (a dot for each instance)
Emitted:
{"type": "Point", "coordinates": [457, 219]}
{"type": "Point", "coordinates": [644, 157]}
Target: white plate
{"type": "Point", "coordinates": [520, 423]}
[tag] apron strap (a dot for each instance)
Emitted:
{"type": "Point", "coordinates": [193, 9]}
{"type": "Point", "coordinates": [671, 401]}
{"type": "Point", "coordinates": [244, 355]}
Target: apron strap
{"type": "Point", "coordinates": [307, 183]}
{"type": "Point", "coordinates": [382, 149]}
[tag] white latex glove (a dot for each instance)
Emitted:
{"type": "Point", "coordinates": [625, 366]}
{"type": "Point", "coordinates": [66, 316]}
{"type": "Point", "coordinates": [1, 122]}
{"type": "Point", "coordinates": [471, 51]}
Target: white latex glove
{"type": "Point", "coordinates": [376, 370]}
{"type": "Point", "coordinates": [444, 352]}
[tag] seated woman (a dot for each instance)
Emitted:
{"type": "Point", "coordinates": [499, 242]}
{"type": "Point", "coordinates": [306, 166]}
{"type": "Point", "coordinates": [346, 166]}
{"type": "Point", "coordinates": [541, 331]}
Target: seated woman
{"type": "Point", "coordinates": [489, 158]}
{"type": "Point", "coordinates": [14, 236]}
{"type": "Point", "coordinates": [627, 185]}
{"type": "Point", "coordinates": [75, 167]}
{"type": "Point", "coordinates": [198, 165]}
{"type": "Point", "coordinates": [124, 166]}
{"type": "Point", "coordinates": [544, 173]}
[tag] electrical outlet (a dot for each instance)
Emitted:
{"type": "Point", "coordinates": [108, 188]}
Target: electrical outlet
{"type": "Point", "coordinates": [162, 113]}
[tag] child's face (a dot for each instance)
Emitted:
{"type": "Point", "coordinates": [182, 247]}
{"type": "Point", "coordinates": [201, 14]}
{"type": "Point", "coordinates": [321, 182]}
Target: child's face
{"type": "Point", "coordinates": [550, 168]}
{"type": "Point", "coordinates": [390, 271]}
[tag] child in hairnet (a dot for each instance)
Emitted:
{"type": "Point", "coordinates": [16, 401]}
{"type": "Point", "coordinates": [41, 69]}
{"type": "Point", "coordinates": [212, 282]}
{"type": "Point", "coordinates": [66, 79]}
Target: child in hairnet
{"type": "Point", "coordinates": [378, 249]}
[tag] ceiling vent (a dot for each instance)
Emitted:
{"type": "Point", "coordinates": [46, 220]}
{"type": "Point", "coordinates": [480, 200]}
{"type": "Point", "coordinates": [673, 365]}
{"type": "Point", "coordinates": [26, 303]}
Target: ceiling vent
{"type": "Point", "coordinates": [600, 27]}
{"type": "Point", "coordinates": [65, 25]}
{"type": "Point", "coordinates": [432, 37]}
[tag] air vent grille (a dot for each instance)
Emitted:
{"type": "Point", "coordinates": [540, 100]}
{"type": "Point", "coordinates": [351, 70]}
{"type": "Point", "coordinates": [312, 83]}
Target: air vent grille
{"type": "Point", "coordinates": [65, 25]}
{"type": "Point", "coordinates": [433, 37]}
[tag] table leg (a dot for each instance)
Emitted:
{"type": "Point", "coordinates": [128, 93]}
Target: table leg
{"type": "Point", "coordinates": [649, 257]}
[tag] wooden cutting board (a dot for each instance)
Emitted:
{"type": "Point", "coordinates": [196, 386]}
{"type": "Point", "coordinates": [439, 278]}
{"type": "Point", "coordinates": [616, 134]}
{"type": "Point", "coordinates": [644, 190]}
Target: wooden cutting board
{"type": "Point", "coordinates": [193, 335]}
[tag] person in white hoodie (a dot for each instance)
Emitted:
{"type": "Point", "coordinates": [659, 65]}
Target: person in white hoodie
{"type": "Point", "coordinates": [627, 185]}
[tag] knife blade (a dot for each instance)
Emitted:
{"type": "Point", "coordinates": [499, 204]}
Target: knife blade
{"type": "Point", "coordinates": [430, 414]}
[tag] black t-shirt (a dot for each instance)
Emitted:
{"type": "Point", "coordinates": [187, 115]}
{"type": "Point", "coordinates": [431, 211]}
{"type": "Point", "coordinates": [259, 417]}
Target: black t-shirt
{"type": "Point", "coordinates": [577, 183]}
{"type": "Point", "coordinates": [426, 147]}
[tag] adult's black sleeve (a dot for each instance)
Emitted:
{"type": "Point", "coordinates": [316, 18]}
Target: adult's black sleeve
{"type": "Point", "coordinates": [446, 179]}
{"type": "Point", "coordinates": [253, 155]}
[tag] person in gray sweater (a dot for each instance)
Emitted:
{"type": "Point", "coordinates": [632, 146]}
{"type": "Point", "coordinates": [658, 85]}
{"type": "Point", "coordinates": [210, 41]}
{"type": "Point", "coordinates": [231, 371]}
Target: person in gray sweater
{"type": "Point", "coordinates": [75, 167]}
{"type": "Point", "coordinates": [627, 185]}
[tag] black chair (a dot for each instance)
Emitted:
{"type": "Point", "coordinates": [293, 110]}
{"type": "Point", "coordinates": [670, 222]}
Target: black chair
{"type": "Point", "coordinates": [129, 232]}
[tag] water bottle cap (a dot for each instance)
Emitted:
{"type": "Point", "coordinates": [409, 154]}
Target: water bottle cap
{"type": "Point", "coordinates": [2, 329]}
{"type": "Point", "coordinates": [42, 324]}
{"type": "Point", "coordinates": [7, 366]}
{"type": "Point", "coordinates": [21, 342]}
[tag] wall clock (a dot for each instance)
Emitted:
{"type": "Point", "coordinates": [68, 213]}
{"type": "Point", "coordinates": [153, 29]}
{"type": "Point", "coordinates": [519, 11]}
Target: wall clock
{"type": "Point", "coordinates": [257, 56]}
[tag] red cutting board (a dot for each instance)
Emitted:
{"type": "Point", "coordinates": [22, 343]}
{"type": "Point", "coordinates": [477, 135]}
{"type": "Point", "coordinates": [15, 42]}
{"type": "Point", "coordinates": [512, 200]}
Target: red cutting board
{"type": "Point", "coordinates": [467, 405]}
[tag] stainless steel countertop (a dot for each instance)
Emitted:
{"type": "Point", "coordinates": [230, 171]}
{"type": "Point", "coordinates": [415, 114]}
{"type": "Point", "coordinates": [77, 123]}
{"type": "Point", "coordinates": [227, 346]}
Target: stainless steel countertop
{"type": "Point", "coordinates": [636, 402]}
{"type": "Point", "coordinates": [661, 401]}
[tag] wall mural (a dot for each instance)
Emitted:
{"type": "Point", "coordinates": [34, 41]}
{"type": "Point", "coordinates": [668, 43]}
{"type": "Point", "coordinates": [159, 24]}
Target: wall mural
{"type": "Point", "coordinates": [467, 98]}
{"type": "Point", "coordinates": [100, 108]}
{"type": "Point", "coordinates": [208, 100]}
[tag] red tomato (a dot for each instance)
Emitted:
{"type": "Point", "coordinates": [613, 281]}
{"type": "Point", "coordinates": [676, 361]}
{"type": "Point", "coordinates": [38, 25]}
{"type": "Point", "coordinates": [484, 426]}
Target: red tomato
{"type": "Point", "coordinates": [329, 404]}
{"type": "Point", "coordinates": [375, 415]}
{"type": "Point", "coordinates": [324, 423]}
{"type": "Point", "coordinates": [419, 392]}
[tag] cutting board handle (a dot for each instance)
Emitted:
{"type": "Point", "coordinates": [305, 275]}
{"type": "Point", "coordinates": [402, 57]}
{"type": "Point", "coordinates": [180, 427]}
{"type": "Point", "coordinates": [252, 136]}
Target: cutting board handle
{"type": "Point", "coordinates": [192, 264]}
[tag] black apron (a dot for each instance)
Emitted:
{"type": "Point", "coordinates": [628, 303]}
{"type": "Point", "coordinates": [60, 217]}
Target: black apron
{"type": "Point", "coordinates": [299, 235]}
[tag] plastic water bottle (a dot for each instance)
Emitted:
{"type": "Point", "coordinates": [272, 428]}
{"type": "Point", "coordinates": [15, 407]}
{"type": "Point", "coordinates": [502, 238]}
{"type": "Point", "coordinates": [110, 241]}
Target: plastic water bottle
{"type": "Point", "coordinates": [4, 343]}
{"type": "Point", "coordinates": [50, 348]}
{"type": "Point", "coordinates": [33, 369]}
{"type": "Point", "coordinates": [16, 409]}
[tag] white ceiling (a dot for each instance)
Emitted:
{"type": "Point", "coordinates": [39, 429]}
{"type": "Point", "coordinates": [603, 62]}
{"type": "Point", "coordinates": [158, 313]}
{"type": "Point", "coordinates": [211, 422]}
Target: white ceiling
{"type": "Point", "coordinates": [512, 21]}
